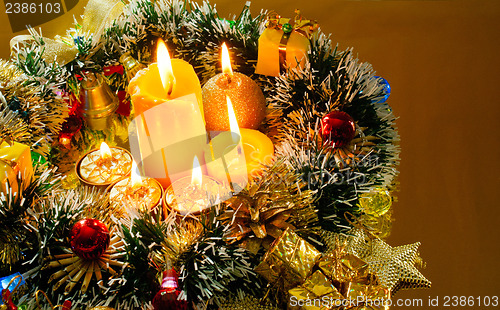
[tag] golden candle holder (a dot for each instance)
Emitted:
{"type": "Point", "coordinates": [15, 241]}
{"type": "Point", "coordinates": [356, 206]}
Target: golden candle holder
{"type": "Point", "coordinates": [103, 172]}
{"type": "Point", "coordinates": [190, 200]}
{"type": "Point", "coordinates": [146, 196]}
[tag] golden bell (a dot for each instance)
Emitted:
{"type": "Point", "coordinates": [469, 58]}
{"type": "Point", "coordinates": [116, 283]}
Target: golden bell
{"type": "Point", "coordinates": [131, 65]}
{"type": "Point", "coordinates": [99, 101]}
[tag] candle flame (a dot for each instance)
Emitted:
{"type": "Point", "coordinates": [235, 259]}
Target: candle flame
{"type": "Point", "coordinates": [233, 123]}
{"type": "Point", "coordinates": [165, 67]}
{"type": "Point", "coordinates": [135, 177]}
{"type": "Point", "coordinates": [226, 61]}
{"type": "Point", "coordinates": [105, 151]}
{"type": "Point", "coordinates": [196, 176]}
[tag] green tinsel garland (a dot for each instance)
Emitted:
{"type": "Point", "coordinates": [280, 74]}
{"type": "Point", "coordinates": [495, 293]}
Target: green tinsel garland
{"type": "Point", "coordinates": [211, 270]}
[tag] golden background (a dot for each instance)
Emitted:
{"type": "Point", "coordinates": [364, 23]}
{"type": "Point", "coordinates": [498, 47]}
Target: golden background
{"type": "Point", "coordinates": [441, 59]}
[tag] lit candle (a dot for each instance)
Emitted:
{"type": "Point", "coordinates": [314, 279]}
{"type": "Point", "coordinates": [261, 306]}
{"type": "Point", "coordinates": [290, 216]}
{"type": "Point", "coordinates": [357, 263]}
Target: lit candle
{"type": "Point", "coordinates": [239, 154]}
{"type": "Point", "coordinates": [168, 130]}
{"type": "Point", "coordinates": [140, 192]}
{"type": "Point", "coordinates": [103, 166]}
{"type": "Point", "coordinates": [166, 79]}
{"type": "Point", "coordinates": [192, 195]}
{"type": "Point", "coordinates": [248, 100]}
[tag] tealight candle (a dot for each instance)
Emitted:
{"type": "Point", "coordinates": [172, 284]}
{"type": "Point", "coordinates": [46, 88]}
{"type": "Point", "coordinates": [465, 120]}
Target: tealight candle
{"type": "Point", "coordinates": [140, 192]}
{"type": "Point", "coordinates": [193, 195]}
{"type": "Point", "coordinates": [239, 154]}
{"type": "Point", "coordinates": [103, 166]}
{"type": "Point", "coordinates": [168, 130]}
{"type": "Point", "coordinates": [247, 97]}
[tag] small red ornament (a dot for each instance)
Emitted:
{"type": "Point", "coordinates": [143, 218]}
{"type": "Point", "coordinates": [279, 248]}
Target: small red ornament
{"type": "Point", "coordinates": [89, 238]}
{"type": "Point", "coordinates": [167, 297]}
{"type": "Point", "coordinates": [338, 128]}
{"type": "Point", "coordinates": [7, 299]}
{"type": "Point", "coordinates": [124, 103]}
{"type": "Point", "coordinates": [66, 305]}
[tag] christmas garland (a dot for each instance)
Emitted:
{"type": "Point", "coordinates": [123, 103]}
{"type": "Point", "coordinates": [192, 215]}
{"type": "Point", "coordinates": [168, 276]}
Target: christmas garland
{"type": "Point", "coordinates": [331, 200]}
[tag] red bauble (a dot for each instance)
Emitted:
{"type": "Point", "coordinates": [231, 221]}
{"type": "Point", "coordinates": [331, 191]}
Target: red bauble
{"type": "Point", "coordinates": [166, 298]}
{"type": "Point", "coordinates": [7, 299]}
{"type": "Point", "coordinates": [89, 238]}
{"type": "Point", "coordinates": [338, 128]}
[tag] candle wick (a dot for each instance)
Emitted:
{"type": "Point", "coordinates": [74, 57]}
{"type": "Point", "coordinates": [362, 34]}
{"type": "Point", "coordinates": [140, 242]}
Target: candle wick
{"type": "Point", "coordinates": [228, 77]}
{"type": "Point", "coordinates": [171, 82]}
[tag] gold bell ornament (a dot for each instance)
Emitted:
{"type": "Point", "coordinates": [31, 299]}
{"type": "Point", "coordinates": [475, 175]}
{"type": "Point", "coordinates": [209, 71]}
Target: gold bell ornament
{"type": "Point", "coordinates": [99, 102]}
{"type": "Point", "coordinates": [131, 65]}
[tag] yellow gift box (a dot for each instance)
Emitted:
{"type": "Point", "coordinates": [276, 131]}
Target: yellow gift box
{"type": "Point", "coordinates": [317, 293]}
{"type": "Point", "coordinates": [15, 163]}
{"type": "Point", "coordinates": [343, 282]}
{"type": "Point", "coordinates": [282, 45]}
{"type": "Point", "coordinates": [289, 260]}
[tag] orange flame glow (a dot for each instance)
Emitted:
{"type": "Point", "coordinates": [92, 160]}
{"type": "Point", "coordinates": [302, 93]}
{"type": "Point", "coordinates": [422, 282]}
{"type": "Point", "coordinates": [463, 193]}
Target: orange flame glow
{"type": "Point", "coordinates": [165, 67]}
{"type": "Point", "coordinates": [233, 123]}
{"type": "Point", "coordinates": [135, 177]}
{"type": "Point", "coordinates": [196, 175]}
{"type": "Point", "coordinates": [226, 61]}
{"type": "Point", "coordinates": [105, 151]}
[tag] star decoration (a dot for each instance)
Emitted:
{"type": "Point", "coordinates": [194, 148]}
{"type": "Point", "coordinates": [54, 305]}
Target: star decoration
{"type": "Point", "coordinates": [394, 266]}
{"type": "Point", "coordinates": [73, 268]}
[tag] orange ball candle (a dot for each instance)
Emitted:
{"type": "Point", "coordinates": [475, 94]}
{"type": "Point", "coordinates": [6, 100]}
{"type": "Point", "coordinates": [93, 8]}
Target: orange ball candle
{"type": "Point", "coordinates": [247, 97]}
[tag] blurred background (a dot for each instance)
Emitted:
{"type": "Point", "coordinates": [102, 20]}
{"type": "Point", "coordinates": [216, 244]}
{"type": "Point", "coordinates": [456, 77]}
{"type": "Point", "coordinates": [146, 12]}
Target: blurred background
{"type": "Point", "coordinates": [442, 61]}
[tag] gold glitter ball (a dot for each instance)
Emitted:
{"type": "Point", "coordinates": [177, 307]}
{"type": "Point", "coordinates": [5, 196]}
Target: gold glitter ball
{"type": "Point", "coordinates": [376, 202]}
{"type": "Point", "coordinates": [246, 96]}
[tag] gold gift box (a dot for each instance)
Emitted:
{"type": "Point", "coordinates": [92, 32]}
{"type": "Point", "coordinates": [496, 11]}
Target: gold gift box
{"type": "Point", "coordinates": [15, 163]}
{"type": "Point", "coordinates": [346, 285]}
{"type": "Point", "coordinates": [268, 62]}
{"type": "Point", "coordinates": [290, 258]}
{"type": "Point", "coordinates": [317, 292]}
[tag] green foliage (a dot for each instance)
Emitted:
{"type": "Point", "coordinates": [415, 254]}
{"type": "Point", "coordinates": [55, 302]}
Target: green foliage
{"type": "Point", "coordinates": [210, 269]}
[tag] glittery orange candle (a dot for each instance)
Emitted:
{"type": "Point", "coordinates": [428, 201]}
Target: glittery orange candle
{"type": "Point", "coordinates": [247, 97]}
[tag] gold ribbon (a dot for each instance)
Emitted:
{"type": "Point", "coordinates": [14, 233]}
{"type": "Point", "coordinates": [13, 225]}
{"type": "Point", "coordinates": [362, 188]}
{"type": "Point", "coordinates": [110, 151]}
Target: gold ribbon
{"type": "Point", "coordinates": [300, 25]}
{"type": "Point", "coordinates": [46, 297]}
{"type": "Point", "coordinates": [97, 15]}
{"type": "Point", "coordinates": [12, 164]}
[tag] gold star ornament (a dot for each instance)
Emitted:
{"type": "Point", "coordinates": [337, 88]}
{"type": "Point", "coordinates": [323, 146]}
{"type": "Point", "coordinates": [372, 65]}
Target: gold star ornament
{"type": "Point", "coordinates": [394, 266]}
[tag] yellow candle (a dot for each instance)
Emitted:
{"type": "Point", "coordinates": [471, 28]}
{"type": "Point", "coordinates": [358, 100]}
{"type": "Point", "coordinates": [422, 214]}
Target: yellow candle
{"type": "Point", "coordinates": [168, 130]}
{"type": "Point", "coordinates": [142, 193]}
{"type": "Point", "coordinates": [195, 194]}
{"type": "Point", "coordinates": [104, 166]}
{"type": "Point", "coordinates": [152, 86]}
{"type": "Point", "coordinates": [239, 154]}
